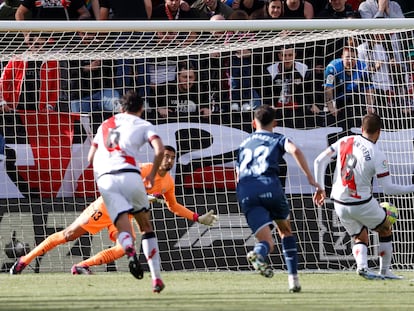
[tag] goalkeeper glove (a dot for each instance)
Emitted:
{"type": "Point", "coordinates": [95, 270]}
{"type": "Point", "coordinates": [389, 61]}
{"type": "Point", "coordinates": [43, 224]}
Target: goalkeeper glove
{"type": "Point", "coordinates": [207, 219]}
{"type": "Point", "coordinates": [156, 198]}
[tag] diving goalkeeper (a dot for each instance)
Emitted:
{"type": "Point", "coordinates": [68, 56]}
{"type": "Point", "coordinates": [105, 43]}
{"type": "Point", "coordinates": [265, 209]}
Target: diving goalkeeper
{"type": "Point", "coordinates": [96, 218]}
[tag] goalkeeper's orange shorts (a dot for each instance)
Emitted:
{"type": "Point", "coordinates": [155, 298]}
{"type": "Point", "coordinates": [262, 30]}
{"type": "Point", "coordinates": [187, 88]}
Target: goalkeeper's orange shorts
{"type": "Point", "coordinates": [95, 218]}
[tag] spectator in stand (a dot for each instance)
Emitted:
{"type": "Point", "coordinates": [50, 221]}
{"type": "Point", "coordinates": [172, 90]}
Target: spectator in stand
{"type": "Point", "coordinates": [170, 10]}
{"type": "Point", "coordinates": [384, 59]}
{"type": "Point", "coordinates": [380, 9]}
{"type": "Point", "coordinates": [297, 9]}
{"type": "Point", "coordinates": [338, 9]}
{"type": "Point", "coordinates": [158, 70]}
{"type": "Point", "coordinates": [127, 69]}
{"type": "Point", "coordinates": [181, 100]}
{"type": "Point", "coordinates": [38, 85]}
{"type": "Point", "coordinates": [244, 87]}
{"type": "Point", "coordinates": [213, 76]}
{"type": "Point", "coordinates": [207, 8]}
{"type": "Point", "coordinates": [93, 8]}
{"type": "Point", "coordinates": [52, 10]}
{"type": "Point", "coordinates": [318, 97]}
{"type": "Point", "coordinates": [8, 9]}
{"type": "Point", "coordinates": [289, 83]}
{"type": "Point", "coordinates": [271, 9]}
{"type": "Point", "coordinates": [335, 9]}
{"type": "Point", "coordinates": [318, 5]}
{"type": "Point", "coordinates": [92, 82]}
{"type": "Point", "coordinates": [249, 6]}
{"type": "Point", "coordinates": [348, 90]}
{"type": "Point", "coordinates": [125, 9]}
{"type": "Point", "coordinates": [389, 9]}
{"type": "Point", "coordinates": [354, 4]}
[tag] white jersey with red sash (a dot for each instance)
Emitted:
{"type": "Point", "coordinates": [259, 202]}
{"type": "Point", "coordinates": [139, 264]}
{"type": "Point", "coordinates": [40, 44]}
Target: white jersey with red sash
{"type": "Point", "coordinates": [359, 160]}
{"type": "Point", "coordinates": [118, 141]}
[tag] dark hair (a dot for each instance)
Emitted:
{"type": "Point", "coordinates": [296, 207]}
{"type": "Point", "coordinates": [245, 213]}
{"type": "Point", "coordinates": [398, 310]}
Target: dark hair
{"type": "Point", "coordinates": [186, 66]}
{"type": "Point", "coordinates": [131, 102]}
{"type": "Point", "coordinates": [170, 148]}
{"type": "Point", "coordinates": [371, 123]}
{"type": "Point", "coordinates": [238, 15]}
{"type": "Point", "coordinates": [286, 47]}
{"type": "Point", "coordinates": [350, 49]}
{"type": "Point", "coordinates": [266, 8]}
{"type": "Point", "coordinates": [265, 114]}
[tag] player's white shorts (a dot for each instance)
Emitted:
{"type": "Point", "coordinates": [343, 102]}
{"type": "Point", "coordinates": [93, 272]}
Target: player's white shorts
{"type": "Point", "coordinates": [354, 217]}
{"type": "Point", "coordinates": [123, 192]}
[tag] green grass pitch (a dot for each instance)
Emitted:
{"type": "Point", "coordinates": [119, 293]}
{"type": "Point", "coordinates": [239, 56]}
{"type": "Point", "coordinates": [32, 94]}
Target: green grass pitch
{"type": "Point", "coordinates": [209, 291]}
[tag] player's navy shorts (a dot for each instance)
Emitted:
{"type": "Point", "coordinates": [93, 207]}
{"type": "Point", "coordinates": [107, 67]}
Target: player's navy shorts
{"type": "Point", "coordinates": [262, 201]}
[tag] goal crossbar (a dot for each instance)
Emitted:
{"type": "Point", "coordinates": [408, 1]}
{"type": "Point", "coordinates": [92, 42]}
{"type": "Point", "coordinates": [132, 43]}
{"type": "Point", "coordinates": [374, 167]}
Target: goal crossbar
{"type": "Point", "coordinates": [206, 25]}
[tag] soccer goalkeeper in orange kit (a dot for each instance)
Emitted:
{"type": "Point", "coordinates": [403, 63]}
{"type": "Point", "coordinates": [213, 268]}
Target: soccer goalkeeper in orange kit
{"type": "Point", "coordinates": [95, 218]}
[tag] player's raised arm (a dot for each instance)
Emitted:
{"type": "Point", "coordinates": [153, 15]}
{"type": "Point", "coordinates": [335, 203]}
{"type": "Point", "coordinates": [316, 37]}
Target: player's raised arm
{"type": "Point", "coordinates": [389, 187]}
{"type": "Point", "coordinates": [319, 166]}
{"type": "Point", "coordinates": [91, 153]}
{"type": "Point", "coordinates": [158, 147]}
{"type": "Point", "coordinates": [164, 190]}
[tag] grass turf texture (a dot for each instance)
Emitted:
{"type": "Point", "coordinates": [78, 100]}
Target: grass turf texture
{"type": "Point", "coordinates": [203, 291]}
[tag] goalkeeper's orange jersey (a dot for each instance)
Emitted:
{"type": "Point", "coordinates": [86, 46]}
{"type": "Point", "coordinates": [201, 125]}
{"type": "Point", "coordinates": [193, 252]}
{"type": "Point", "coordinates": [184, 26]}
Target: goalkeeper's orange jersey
{"type": "Point", "coordinates": [165, 186]}
{"type": "Point", "coordinates": [96, 217]}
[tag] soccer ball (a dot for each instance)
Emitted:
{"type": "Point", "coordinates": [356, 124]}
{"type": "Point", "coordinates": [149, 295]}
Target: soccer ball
{"type": "Point", "coordinates": [16, 249]}
{"type": "Point", "coordinates": [391, 210]}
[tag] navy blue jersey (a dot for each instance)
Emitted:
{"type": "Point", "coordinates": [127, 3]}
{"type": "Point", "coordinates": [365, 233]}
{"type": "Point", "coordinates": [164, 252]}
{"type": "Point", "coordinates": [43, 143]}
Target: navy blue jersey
{"type": "Point", "coordinates": [260, 155]}
{"type": "Point", "coordinates": [259, 190]}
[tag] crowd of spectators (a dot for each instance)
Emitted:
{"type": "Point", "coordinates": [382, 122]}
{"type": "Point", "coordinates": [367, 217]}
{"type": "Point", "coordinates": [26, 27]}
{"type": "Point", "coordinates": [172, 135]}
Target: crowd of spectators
{"type": "Point", "coordinates": [308, 86]}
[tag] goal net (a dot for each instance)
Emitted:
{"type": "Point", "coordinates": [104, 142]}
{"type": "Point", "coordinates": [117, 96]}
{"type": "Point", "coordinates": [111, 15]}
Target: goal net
{"type": "Point", "coordinates": [201, 80]}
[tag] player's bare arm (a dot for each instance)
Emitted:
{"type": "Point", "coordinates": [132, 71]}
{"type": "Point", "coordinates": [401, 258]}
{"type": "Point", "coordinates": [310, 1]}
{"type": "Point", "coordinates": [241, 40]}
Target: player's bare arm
{"type": "Point", "coordinates": [329, 99]}
{"type": "Point", "coordinates": [320, 164]}
{"type": "Point", "coordinates": [158, 147]}
{"type": "Point", "coordinates": [91, 153]}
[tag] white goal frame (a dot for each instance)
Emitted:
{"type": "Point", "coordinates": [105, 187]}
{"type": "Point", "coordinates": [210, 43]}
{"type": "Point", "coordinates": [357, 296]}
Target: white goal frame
{"type": "Point", "coordinates": [323, 243]}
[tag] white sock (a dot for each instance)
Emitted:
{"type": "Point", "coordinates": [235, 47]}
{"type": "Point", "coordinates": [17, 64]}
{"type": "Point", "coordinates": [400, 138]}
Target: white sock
{"type": "Point", "coordinates": [125, 239]}
{"type": "Point", "coordinates": [385, 252]}
{"type": "Point", "coordinates": [360, 251]}
{"type": "Point", "coordinates": [152, 253]}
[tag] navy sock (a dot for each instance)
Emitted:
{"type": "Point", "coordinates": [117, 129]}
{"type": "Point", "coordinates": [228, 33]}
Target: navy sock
{"type": "Point", "coordinates": [262, 248]}
{"type": "Point", "coordinates": [290, 253]}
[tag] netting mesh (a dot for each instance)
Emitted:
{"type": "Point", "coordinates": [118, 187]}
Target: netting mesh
{"type": "Point", "coordinates": [135, 44]}
{"type": "Point", "coordinates": [200, 88]}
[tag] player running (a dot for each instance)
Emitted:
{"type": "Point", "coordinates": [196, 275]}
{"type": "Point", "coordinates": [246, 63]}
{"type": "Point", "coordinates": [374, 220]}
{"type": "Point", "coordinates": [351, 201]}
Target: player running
{"type": "Point", "coordinates": [260, 192]}
{"type": "Point", "coordinates": [95, 218]}
{"type": "Point", "coordinates": [358, 161]}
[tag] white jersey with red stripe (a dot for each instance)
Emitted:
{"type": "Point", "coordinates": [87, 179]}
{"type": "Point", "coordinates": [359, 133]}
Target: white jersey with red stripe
{"type": "Point", "coordinates": [118, 141]}
{"type": "Point", "coordinates": [358, 161]}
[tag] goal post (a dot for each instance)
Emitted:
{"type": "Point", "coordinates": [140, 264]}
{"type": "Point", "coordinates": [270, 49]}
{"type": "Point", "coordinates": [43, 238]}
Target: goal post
{"type": "Point", "coordinates": [200, 80]}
